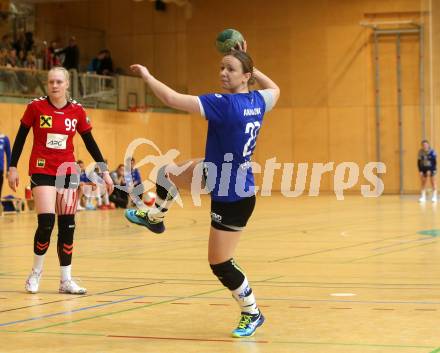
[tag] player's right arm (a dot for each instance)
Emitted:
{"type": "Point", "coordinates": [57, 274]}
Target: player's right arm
{"type": "Point", "coordinates": [167, 95]}
{"type": "Point", "coordinates": [20, 139]}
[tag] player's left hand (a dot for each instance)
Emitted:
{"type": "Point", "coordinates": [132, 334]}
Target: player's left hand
{"type": "Point", "coordinates": [242, 46]}
{"type": "Point", "coordinates": [108, 182]}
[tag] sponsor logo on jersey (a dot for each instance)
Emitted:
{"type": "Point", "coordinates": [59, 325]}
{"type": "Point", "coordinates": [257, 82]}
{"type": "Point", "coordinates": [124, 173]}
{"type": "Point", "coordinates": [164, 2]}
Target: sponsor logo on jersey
{"type": "Point", "coordinates": [251, 112]}
{"type": "Point", "coordinates": [218, 95]}
{"type": "Point", "coordinates": [56, 141]}
{"type": "Point", "coordinates": [45, 121]}
{"type": "Point", "coordinates": [41, 162]}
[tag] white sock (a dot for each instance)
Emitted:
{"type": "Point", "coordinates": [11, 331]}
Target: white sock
{"type": "Point", "coordinates": [434, 193]}
{"type": "Point", "coordinates": [423, 193]}
{"type": "Point", "coordinates": [38, 263]}
{"type": "Point", "coordinates": [65, 273]}
{"type": "Point", "coordinates": [160, 209]}
{"type": "Point", "coordinates": [106, 200]}
{"type": "Point", "coordinates": [245, 298]}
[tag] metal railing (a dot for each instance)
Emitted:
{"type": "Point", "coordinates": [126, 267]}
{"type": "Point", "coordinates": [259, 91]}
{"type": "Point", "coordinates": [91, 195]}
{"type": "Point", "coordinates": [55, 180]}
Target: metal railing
{"type": "Point", "coordinates": [120, 92]}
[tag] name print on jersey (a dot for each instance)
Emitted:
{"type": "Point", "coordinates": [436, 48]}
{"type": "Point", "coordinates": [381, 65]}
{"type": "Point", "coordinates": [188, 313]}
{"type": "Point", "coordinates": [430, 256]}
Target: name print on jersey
{"type": "Point", "coordinates": [252, 112]}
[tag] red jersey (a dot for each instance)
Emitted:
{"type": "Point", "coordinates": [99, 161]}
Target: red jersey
{"type": "Point", "coordinates": [53, 130]}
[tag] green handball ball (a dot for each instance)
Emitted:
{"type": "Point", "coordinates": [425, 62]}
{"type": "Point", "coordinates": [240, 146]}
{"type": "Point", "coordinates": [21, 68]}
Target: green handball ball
{"type": "Point", "coordinates": [227, 40]}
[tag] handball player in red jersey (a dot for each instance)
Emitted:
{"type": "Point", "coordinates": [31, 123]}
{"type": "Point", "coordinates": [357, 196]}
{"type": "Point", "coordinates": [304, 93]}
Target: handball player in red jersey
{"type": "Point", "coordinates": [54, 175]}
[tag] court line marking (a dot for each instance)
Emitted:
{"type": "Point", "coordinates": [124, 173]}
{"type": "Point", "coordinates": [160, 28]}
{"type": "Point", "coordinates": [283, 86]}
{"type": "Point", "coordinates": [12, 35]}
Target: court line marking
{"type": "Point", "coordinates": [372, 345]}
{"type": "Point", "coordinates": [121, 311]}
{"type": "Point", "coordinates": [390, 252]}
{"type": "Point", "coordinates": [402, 243]}
{"type": "Point", "coordinates": [186, 339]}
{"type": "Point", "coordinates": [355, 344]}
{"type": "Point", "coordinates": [135, 308]}
{"type": "Point", "coordinates": [60, 313]}
{"type": "Point", "coordinates": [338, 248]}
{"type": "Point", "coordinates": [76, 297]}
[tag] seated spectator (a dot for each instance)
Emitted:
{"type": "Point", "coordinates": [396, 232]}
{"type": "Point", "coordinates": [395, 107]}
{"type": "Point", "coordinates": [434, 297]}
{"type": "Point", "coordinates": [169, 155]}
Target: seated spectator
{"type": "Point", "coordinates": [119, 197]}
{"type": "Point", "coordinates": [6, 42]}
{"type": "Point", "coordinates": [95, 63]}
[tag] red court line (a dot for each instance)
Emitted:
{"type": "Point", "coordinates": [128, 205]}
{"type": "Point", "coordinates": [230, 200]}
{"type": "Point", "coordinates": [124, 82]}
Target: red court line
{"type": "Point", "coordinates": [184, 339]}
{"type": "Point", "coordinates": [221, 304]}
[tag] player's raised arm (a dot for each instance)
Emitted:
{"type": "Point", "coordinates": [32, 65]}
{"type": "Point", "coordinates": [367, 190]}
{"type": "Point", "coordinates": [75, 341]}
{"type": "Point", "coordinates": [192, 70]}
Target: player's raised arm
{"type": "Point", "coordinates": [167, 95]}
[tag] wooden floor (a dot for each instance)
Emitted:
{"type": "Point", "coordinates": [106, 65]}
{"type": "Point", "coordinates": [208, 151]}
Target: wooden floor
{"type": "Point", "coordinates": [330, 276]}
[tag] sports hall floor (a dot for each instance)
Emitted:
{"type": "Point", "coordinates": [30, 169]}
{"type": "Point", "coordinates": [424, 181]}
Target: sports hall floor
{"type": "Point", "coordinates": [330, 276]}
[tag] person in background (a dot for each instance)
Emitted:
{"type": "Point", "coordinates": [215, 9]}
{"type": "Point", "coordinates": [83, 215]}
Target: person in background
{"type": "Point", "coordinates": [427, 164]}
{"type": "Point", "coordinates": [119, 197]}
{"type": "Point", "coordinates": [5, 149]}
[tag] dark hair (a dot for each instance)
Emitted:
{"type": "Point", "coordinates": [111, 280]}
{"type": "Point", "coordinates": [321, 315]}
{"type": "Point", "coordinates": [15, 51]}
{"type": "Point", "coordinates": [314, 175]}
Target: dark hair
{"type": "Point", "coordinates": [79, 161]}
{"type": "Point", "coordinates": [425, 141]}
{"type": "Point", "coordinates": [247, 63]}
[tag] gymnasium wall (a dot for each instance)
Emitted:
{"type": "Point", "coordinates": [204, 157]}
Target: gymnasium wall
{"type": "Point", "coordinates": [113, 131]}
{"type": "Point", "coordinates": [316, 51]}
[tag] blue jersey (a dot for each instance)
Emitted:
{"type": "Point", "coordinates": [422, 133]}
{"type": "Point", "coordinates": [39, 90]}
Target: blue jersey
{"type": "Point", "coordinates": [83, 177]}
{"type": "Point", "coordinates": [5, 148]}
{"type": "Point", "coordinates": [234, 122]}
{"type": "Point", "coordinates": [427, 160]}
{"type": "Point", "coordinates": [136, 176]}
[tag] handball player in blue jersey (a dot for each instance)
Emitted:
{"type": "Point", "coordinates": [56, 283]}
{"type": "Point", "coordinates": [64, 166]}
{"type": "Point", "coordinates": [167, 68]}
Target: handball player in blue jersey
{"type": "Point", "coordinates": [427, 164]}
{"type": "Point", "coordinates": [234, 122]}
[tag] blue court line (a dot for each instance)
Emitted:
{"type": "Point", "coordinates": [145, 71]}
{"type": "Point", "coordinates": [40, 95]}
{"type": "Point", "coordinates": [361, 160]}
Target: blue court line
{"type": "Point", "coordinates": [309, 300]}
{"type": "Point", "coordinates": [10, 323]}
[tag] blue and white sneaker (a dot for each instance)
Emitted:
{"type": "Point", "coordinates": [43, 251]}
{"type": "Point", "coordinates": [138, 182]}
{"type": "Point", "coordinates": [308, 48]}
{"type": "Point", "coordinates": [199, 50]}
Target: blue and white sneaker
{"type": "Point", "coordinates": [248, 325]}
{"type": "Point", "coordinates": [141, 218]}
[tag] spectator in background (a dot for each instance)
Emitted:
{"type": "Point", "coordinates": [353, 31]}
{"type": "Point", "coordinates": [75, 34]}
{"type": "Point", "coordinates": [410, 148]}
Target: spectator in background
{"type": "Point", "coordinates": [21, 59]}
{"type": "Point", "coordinates": [3, 56]}
{"type": "Point", "coordinates": [12, 59]}
{"type": "Point", "coordinates": [19, 43]}
{"type": "Point", "coordinates": [28, 42]}
{"type": "Point", "coordinates": [427, 165]}
{"type": "Point", "coordinates": [5, 148]}
{"type": "Point", "coordinates": [52, 59]}
{"type": "Point", "coordinates": [135, 174]}
{"type": "Point", "coordinates": [119, 197]}
{"type": "Point", "coordinates": [31, 60]}
{"type": "Point", "coordinates": [6, 42]}
{"type": "Point", "coordinates": [15, 80]}
{"type": "Point", "coordinates": [106, 64]}
{"type": "Point", "coordinates": [71, 55]}
{"type": "Point", "coordinates": [95, 63]}
{"type": "Point", "coordinates": [83, 180]}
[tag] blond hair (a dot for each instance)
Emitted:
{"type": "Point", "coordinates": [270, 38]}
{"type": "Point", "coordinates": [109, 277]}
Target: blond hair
{"type": "Point", "coordinates": [66, 77]}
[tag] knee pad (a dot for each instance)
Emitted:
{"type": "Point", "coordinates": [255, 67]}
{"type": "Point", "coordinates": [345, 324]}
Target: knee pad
{"type": "Point", "coordinates": [229, 274]}
{"type": "Point", "coordinates": [46, 222]}
{"type": "Point", "coordinates": [66, 229]}
{"type": "Point", "coordinates": [165, 189]}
